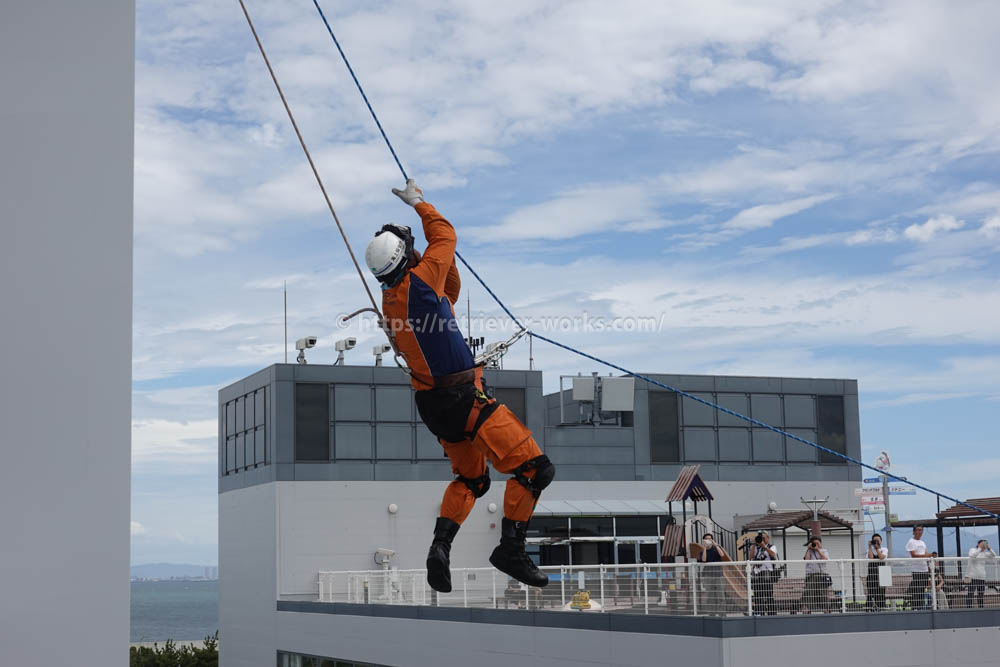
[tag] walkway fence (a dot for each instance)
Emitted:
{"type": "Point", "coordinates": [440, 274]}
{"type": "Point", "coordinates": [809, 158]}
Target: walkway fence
{"type": "Point", "coordinates": [690, 589]}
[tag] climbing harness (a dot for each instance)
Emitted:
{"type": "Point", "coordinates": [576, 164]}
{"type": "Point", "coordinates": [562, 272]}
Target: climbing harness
{"type": "Point", "coordinates": [522, 330]}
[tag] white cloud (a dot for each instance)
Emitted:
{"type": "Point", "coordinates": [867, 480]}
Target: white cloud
{"type": "Point", "coordinates": [765, 215]}
{"type": "Point", "coordinates": [577, 212]}
{"type": "Point", "coordinates": [192, 442]}
{"type": "Point", "coordinates": [991, 227]}
{"type": "Point", "coordinates": [926, 231]}
{"type": "Point", "coordinates": [872, 235]}
{"type": "Point", "coordinates": [136, 528]}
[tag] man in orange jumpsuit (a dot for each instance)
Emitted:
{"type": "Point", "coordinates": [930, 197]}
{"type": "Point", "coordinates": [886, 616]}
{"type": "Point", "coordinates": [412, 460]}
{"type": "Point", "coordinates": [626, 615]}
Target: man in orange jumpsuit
{"type": "Point", "coordinates": [418, 297]}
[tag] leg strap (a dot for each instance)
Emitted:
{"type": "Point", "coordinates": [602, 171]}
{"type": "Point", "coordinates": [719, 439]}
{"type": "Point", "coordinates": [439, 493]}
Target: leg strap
{"type": "Point", "coordinates": [544, 473]}
{"type": "Point", "coordinates": [478, 485]}
{"type": "Point", "coordinates": [482, 407]}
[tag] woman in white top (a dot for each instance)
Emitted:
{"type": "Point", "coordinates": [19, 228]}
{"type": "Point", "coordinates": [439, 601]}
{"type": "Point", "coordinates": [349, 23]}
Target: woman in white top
{"type": "Point", "coordinates": [814, 594]}
{"type": "Point", "coordinates": [876, 559]}
{"type": "Point", "coordinates": [977, 571]}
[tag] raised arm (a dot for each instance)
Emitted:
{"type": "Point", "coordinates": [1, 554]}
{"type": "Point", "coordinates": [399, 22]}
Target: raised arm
{"type": "Point", "coordinates": [437, 265]}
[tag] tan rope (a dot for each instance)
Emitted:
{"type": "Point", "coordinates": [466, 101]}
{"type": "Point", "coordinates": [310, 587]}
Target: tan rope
{"type": "Point", "coordinates": [312, 164]}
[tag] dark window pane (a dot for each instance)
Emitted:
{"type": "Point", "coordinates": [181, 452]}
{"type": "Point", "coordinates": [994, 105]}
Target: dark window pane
{"type": "Point", "coordinates": [628, 418]}
{"type": "Point", "coordinates": [513, 398]}
{"type": "Point", "coordinates": [249, 445]}
{"type": "Point", "coordinates": [664, 429]}
{"type": "Point", "coordinates": [230, 418]}
{"type": "Point", "coordinates": [830, 420]}
{"type": "Point", "coordinates": [312, 422]}
{"type": "Point", "coordinates": [554, 554]}
{"type": "Point", "coordinates": [240, 412]}
{"type": "Point", "coordinates": [593, 553]}
{"type": "Point", "coordinates": [260, 447]}
{"type": "Point", "coordinates": [240, 452]}
{"type": "Point", "coordinates": [647, 553]}
{"type": "Point", "coordinates": [260, 407]}
{"type": "Point", "coordinates": [636, 526]}
{"type": "Point", "coordinates": [548, 526]}
{"type": "Point", "coordinates": [626, 554]}
{"type": "Point", "coordinates": [586, 526]}
{"type": "Point", "coordinates": [231, 454]}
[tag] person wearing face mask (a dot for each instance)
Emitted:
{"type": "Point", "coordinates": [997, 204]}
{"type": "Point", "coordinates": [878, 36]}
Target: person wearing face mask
{"type": "Point", "coordinates": [877, 554]}
{"type": "Point", "coordinates": [977, 571]}
{"type": "Point", "coordinates": [713, 581]}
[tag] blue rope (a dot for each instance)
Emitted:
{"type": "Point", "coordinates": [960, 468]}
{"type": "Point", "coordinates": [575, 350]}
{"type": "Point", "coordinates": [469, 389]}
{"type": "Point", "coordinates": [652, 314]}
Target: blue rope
{"type": "Point", "coordinates": [650, 380]}
{"type": "Point", "coordinates": [361, 90]}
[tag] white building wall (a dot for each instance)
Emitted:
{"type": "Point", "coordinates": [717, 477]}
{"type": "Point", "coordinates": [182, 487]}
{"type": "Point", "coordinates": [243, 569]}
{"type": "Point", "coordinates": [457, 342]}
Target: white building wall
{"type": "Point", "coordinates": [402, 642]}
{"type": "Point", "coordinates": [247, 581]}
{"type": "Point", "coordinates": [959, 647]}
{"type": "Point", "coordinates": [66, 126]}
{"type": "Point", "coordinates": [338, 525]}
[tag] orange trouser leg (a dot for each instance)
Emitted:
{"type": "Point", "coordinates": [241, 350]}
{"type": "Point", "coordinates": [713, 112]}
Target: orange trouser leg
{"type": "Point", "coordinates": [508, 443]}
{"type": "Point", "coordinates": [466, 460]}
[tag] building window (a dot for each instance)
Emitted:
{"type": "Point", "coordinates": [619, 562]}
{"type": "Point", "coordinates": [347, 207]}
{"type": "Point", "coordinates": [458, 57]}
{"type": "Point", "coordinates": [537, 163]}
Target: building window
{"type": "Point", "coordinates": [664, 427]}
{"type": "Point", "coordinates": [636, 526]}
{"type": "Point", "coordinates": [831, 430]}
{"type": "Point", "coordinates": [513, 398]}
{"type": "Point", "coordinates": [591, 526]}
{"type": "Point", "coordinates": [301, 660]}
{"type": "Point", "coordinates": [312, 422]}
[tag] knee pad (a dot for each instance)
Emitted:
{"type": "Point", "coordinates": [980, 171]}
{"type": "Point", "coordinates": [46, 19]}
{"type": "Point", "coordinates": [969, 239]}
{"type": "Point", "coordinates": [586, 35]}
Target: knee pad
{"type": "Point", "coordinates": [545, 472]}
{"type": "Point", "coordinates": [478, 485]}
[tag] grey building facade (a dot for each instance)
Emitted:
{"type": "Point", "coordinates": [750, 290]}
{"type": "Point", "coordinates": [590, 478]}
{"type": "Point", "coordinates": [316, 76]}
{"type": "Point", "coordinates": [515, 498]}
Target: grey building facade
{"type": "Point", "coordinates": [314, 423]}
{"type": "Point", "coordinates": [320, 466]}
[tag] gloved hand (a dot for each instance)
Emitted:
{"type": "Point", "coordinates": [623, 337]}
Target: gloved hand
{"type": "Point", "coordinates": [411, 195]}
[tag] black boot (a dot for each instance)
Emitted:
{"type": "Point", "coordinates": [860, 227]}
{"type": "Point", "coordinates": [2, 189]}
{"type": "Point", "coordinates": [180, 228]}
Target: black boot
{"type": "Point", "coordinates": [509, 556]}
{"type": "Point", "coordinates": [438, 558]}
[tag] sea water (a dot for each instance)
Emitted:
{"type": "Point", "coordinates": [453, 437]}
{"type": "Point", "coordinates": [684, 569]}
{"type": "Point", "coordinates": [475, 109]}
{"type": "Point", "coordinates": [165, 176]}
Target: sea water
{"type": "Point", "coordinates": [178, 610]}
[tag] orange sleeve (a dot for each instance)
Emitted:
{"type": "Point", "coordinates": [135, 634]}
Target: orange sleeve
{"type": "Point", "coordinates": [452, 283]}
{"type": "Point", "coordinates": [438, 261]}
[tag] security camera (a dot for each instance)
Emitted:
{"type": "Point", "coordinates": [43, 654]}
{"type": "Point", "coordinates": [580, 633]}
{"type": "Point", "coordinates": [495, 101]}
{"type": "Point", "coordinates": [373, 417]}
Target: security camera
{"type": "Point", "coordinates": [379, 350]}
{"type": "Point", "coordinates": [383, 557]}
{"type": "Point", "coordinates": [302, 345]}
{"type": "Point", "coordinates": [346, 344]}
{"type": "Point", "coordinates": [342, 346]}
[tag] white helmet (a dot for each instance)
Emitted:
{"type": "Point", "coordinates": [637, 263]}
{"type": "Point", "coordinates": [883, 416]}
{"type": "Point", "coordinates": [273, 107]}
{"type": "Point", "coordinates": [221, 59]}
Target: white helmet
{"type": "Point", "coordinates": [388, 252]}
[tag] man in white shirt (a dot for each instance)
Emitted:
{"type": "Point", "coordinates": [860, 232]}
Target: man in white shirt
{"type": "Point", "coordinates": [921, 577]}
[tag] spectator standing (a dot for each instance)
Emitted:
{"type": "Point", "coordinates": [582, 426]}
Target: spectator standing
{"type": "Point", "coordinates": [977, 571]}
{"type": "Point", "coordinates": [763, 574]}
{"type": "Point", "coordinates": [814, 595]}
{"type": "Point", "coordinates": [921, 576]}
{"type": "Point", "coordinates": [942, 597]}
{"type": "Point", "coordinates": [877, 554]}
{"type": "Point", "coordinates": [712, 578]}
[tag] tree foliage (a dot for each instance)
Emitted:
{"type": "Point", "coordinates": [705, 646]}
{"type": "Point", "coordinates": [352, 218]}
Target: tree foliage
{"type": "Point", "coordinates": [171, 656]}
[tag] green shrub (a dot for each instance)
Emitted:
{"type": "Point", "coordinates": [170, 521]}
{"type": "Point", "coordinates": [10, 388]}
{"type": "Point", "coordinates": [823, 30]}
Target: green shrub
{"type": "Point", "coordinates": [170, 656]}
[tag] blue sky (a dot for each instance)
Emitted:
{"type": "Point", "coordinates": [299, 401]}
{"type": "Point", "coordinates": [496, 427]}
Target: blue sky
{"type": "Point", "coordinates": [787, 188]}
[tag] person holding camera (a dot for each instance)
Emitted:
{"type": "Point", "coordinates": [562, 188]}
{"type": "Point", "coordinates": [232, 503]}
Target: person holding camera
{"type": "Point", "coordinates": [712, 578]}
{"type": "Point", "coordinates": [920, 578]}
{"type": "Point", "coordinates": [877, 554]}
{"type": "Point", "coordinates": [977, 571]}
{"type": "Point", "coordinates": [763, 574]}
{"type": "Point", "coordinates": [817, 580]}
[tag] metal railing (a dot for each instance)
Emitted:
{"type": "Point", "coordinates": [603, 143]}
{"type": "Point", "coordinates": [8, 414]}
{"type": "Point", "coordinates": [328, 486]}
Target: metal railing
{"type": "Point", "coordinates": [691, 589]}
